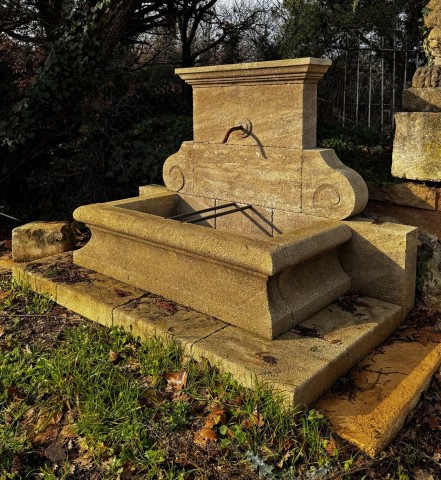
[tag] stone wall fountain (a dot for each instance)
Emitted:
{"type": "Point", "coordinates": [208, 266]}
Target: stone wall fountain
{"type": "Point", "coordinates": [250, 225]}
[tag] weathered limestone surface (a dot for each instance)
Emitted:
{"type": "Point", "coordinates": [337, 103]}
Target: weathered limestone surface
{"type": "Point", "coordinates": [329, 188]}
{"type": "Point", "coordinates": [278, 98]}
{"type": "Point", "coordinates": [314, 181]}
{"type": "Point", "coordinates": [388, 388]}
{"type": "Point", "coordinates": [301, 367]}
{"type": "Point", "coordinates": [272, 163]}
{"type": "Point", "coordinates": [417, 146]}
{"type": "Point", "coordinates": [415, 195]}
{"type": "Point", "coordinates": [426, 220]}
{"type": "Point", "coordinates": [41, 239]}
{"type": "Point", "coordinates": [263, 269]}
{"type": "Point", "coordinates": [418, 99]}
{"type": "Point", "coordinates": [262, 285]}
{"type": "Point", "coordinates": [380, 259]}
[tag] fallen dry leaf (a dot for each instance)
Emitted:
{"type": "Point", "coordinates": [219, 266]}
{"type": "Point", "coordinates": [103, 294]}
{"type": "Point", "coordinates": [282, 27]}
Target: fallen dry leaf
{"type": "Point", "coordinates": [255, 420]}
{"type": "Point", "coordinates": [215, 417]}
{"type": "Point", "coordinates": [68, 431]}
{"type": "Point", "coordinates": [48, 419]}
{"type": "Point", "coordinates": [150, 397]}
{"type": "Point", "coordinates": [176, 380]}
{"type": "Point", "coordinates": [433, 423]}
{"type": "Point", "coordinates": [48, 435]}
{"type": "Point", "coordinates": [55, 453]}
{"type": "Point", "coordinates": [4, 294]}
{"type": "Point", "coordinates": [2, 330]}
{"type": "Point", "coordinates": [113, 356]}
{"type": "Point", "coordinates": [283, 459]}
{"type": "Point", "coordinates": [422, 335]}
{"type": "Point", "coordinates": [267, 358]}
{"type": "Point", "coordinates": [205, 435]}
{"type": "Point", "coordinates": [15, 392]}
{"type": "Point", "coordinates": [122, 293]}
{"type": "Point", "coordinates": [167, 306]}
{"type": "Point", "coordinates": [331, 448]}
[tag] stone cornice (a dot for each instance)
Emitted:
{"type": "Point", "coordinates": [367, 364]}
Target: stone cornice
{"type": "Point", "coordinates": [299, 70]}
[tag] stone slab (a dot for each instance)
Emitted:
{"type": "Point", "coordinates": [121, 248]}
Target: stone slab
{"type": "Point", "coordinates": [300, 366]}
{"type": "Point", "coordinates": [381, 260]}
{"type": "Point", "coordinates": [275, 121]}
{"type": "Point", "coordinates": [188, 263]}
{"type": "Point", "coordinates": [409, 194]}
{"type": "Point", "coordinates": [41, 239]}
{"type": "Point", "coordinates": [388, 386]}
{"type": "Point", "coordinates": [422, 99]}
{"type": "Point", "coordinates": [427, 220]}
{"type": "Point", "coordinates": [85, 292]}
{"type": "Point", "coordinates": [152, 315]}
{"type": "Point", "coordinates": [417, 149]}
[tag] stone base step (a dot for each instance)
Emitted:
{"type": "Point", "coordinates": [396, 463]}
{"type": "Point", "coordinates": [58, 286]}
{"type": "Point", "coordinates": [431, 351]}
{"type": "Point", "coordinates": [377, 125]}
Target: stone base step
{"type": "Point", "coordinates": [302, 364]}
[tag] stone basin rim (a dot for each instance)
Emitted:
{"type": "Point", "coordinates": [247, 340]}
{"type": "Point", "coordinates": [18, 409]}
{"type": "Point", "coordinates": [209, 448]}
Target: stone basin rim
{"type": "Point", "coordinates": [264, 256]}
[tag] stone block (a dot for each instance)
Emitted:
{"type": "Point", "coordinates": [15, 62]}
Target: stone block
{"type": "Point", "coordinates": [388, 386]}
{"type": "Point", "coordinates": [147, 318]}
{"type": "Point", "coordinates": [266, 177]}
{"type": "Point", "coordinates": [272, 95]}
{"type": "Point", "coordinates": [41, 239]}
{"type": "Point", "coordinates": [381, 260]}
{"type": "Point", "coordinates": [230, 104]}
{"type": "Point", "coordinates": [409, 194]}
{"type": "Point", "coordinates": [301, 367]}
{"type": "Point", "coordinates": [422, 99]}
{"type": "Point", "coordinates": [427, 220]}
{"type": "Point", "coordinates": [417, 147]}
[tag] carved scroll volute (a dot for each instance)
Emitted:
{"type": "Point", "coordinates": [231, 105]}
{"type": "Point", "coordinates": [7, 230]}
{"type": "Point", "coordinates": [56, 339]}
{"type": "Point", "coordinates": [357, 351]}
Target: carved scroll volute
{"type": "Point", "coordinates": [177, 172]}
{"type": "Point", "coordinates": [329, 188]}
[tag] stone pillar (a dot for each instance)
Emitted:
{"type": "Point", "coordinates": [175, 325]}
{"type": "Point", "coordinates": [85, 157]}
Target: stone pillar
{"type": "Point", "coordinates": [417, 144]}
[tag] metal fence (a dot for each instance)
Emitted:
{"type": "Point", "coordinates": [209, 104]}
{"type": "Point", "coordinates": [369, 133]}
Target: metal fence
{"type": "Point", "coordinates": [366, 82]}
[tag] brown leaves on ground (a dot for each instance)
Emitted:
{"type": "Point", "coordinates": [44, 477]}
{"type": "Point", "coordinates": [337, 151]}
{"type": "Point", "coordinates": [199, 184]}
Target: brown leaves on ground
{"type": "Point", "coordinates": [4, 294]}
{"type": "Point", "coordinates": [216, 417]}
{"type": "Point", "coordinates": [122, 293]}
{"type": "Point", "coordinates": [165, 305]}
{"type": "Point", "coordinates": [176, 380]}
{"type": "Point", "coordinates": [255, 420]}
{"type": "Point", "coordinates": [205, 435]}
{"type": "Point", "coordinates": [351, 303]}
{"type": "Point", "coordinates": [423, 335]}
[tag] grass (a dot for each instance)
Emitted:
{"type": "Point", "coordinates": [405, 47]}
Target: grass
{"type": "Point", "coordinates": [103, 400]}
{"type": "Point", "coordinates": [99, 403]}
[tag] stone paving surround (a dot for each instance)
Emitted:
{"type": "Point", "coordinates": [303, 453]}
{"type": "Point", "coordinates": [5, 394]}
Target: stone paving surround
{"type": "Point", "coordinates": [302, 366]}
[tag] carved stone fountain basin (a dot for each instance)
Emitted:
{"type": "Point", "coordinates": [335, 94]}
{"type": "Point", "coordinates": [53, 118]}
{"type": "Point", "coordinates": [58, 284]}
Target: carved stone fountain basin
{"type": "Point", "coordinates": [277, 260]}
{"type": "Point", "coordinates": [260, 281]}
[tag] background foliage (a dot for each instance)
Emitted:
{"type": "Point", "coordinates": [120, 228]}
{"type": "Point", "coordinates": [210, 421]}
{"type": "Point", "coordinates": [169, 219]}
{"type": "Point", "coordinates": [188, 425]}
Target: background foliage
{"type": "Point", "coordinates": [90, 107]}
